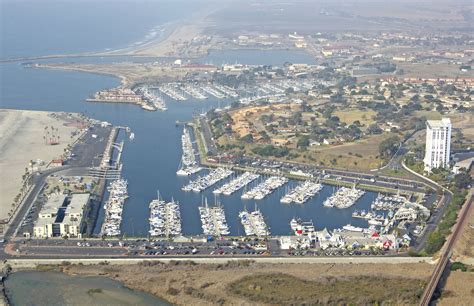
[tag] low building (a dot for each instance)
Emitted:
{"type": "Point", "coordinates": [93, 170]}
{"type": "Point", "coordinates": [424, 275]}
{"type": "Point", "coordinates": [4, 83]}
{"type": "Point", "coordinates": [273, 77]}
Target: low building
{"type": "Point", "coordinates": [465, 164]}
{"type": "Point", "coordinates": [294, 242]}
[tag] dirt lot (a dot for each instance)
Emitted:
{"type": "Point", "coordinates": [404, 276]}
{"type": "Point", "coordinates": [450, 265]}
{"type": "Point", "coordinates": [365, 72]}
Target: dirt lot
{"type": "Point", "coordinates": [356, 155]}
{"type": "Point", "coordinates": [205, 284]}
{"type": "Point", "coordinates": [459, 289]}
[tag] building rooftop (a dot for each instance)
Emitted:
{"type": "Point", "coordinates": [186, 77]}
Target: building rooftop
{"type": "Point", "coordinates": [44, 221]}
{"type": "Point", "coordinates": [53, 204]}
{"type": "Point", "coordinates": [445, 122]}
{"type": "Point", "coordinates": [78, 201]}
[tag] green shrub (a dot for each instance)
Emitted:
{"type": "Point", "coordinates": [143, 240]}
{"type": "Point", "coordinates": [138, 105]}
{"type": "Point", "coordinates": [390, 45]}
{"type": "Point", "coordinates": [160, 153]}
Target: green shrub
{"type": "Point", "coordinates": [458, 266]}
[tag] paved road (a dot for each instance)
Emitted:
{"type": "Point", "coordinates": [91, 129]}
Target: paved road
{"type": "Point", "coordinates": [206, 132]}
{"type": "Point", "coordinates": [29, 263]}
{"type": "Point", "coordinates": [38, 183]}
{"type": "Point", "coordinates": [435, 218]}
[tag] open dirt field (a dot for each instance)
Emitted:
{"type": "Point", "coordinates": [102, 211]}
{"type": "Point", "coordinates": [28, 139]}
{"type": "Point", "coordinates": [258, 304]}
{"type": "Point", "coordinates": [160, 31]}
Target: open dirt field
{"type": "Point", "coordinates": [464, 247]}
{"type": "Point", "coordinates": [459, 289]}
{"type": "Point", "coordinates": [21, 140]}
{"type": "Point", "coordinates": [349, 116]}
{"type": "Point", "coordinates": [360, 155]}
{"type": "Point", "coordinates": [208, 284]}
{"type": "Point", "coordinates": [433, 70]}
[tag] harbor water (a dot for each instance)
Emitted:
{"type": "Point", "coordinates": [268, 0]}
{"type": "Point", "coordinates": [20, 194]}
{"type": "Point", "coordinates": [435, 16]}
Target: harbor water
{"type": "Point", "coordinates": [152, 158]}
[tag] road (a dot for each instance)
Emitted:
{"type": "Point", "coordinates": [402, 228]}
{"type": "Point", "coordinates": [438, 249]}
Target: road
{"type": "Point", "coordinates": [32, 263]}
{"type": "Point", "coordinates": [446, 253]}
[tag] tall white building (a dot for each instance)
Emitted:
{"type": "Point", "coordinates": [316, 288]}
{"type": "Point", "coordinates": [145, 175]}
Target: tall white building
{"type": "Point", "coordinates": [438, 144]}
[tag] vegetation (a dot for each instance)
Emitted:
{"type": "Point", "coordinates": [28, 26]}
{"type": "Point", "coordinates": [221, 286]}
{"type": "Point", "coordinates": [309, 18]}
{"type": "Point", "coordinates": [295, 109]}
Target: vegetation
{"type": "Point", "coordinates": [284, 289]}
{"type": "Point", "coordinates": [462, 180]}
{"type": "Point", "coordinates": [94, 290]}
{"type": "Point", "coordinates": [458, 266]}
{"type": "Point", "coordinates": [437, 238]}
{"type": "Point", "coordinates": [270, 150]}
{"type": "Point", "coordinates": [389, 146]}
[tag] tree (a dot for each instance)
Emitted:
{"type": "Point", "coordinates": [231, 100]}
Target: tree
{"type": "Point", "coordinates": [296, 119]}
{"type": "Point", "coordinates": [264, 136]}
{"type": "Point", "coordinates": [374, 129]}
{"type": "Point", "coordinates": [389, 146]}
{"type": "Point", "coordinates": [435, 242]}
{"type": "Point", "coordinates": [462, 180]}
{"type": "Point", "coordinates": [303, 142]}
{"type": "Point", "coordinates": [247, 138]}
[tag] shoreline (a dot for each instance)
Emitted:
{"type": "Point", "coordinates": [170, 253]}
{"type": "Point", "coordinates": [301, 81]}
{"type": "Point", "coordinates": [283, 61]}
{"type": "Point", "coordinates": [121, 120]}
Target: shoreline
{"type": "Point", "coordinates": [172, 31]}
{"type": "Point", "coordinates": [124, 81]}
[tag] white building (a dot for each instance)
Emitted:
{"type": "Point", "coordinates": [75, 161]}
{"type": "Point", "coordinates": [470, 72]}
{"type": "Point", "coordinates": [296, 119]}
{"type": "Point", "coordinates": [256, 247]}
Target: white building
{"type": "Point", "coordinates": [58, 218]}
{"type": "Point", "coordinates": [438, 143]}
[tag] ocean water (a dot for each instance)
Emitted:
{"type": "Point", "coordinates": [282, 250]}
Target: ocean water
{"type": "Point", "coordinates": [34, 28]}
{"type": "Point", "coordinates": [152, 158]}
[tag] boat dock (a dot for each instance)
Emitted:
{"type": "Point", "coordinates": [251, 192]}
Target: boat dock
{"type": "Point", "coordinates": [262, 190]}
{"type": "Point", "coordinates": [204, 182]}
{"type": "Point", "coordinates": [113, 208]}
{"type": "Point", "coordinates": [236, 184]}
{"type": "Point", "coordinates": [172, 91]}
{"type": "Point", "coordinates": [188, 164]}
{"type": "Point", "coordinates": [302, 193]}
{"type": "Point", "coordinates": [253, 223]}
{"type": "Point", "coordinates": [165, 218]}
{"type": "Point", "coordinates": [213, 220]}
{"type": "Point", "coordinates": [344, 197]}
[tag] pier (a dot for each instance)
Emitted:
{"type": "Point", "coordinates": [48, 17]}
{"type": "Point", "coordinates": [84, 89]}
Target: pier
{"type": "Point", "coordinates": [108, 168]}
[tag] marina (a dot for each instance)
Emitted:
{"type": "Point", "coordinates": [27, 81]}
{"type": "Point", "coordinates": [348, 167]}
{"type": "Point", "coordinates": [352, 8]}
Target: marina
{"type": "Point", "coordinates": [172, 91]}
{"type": "Point", "coordinates": [262, 190]}
{"type": "Point", "coordinates": [213, 220]}
{"type": "Point", "coordinates": [167, 155]}
{"type": "Point", "coordinates": [204, 182]}
{"type": "Point", "coordinates": [165, 218]}
{"type": "Point", "coordinates": [302, 193]}
{"type": "Point", "coordinates": [188, 164]}
{"type": "Point", "coordinates": [344, 197]}
{"type": "Point", "coordinates": [153, 99]}
{"type": "Point", "coordinates": [254, 223]}
{"type": "Point", "coordinates": [388, 202]}
{"type": "Point", "coordinates": [213, 92]}
{"type": "Point", "coordinates": [371, 215]}
{"type": "Point", "coordinates": [193, 91]}
{"type": "Point", "coordinates": [236, 184]}
{"type": "Point", "coordinates": [113, 208]}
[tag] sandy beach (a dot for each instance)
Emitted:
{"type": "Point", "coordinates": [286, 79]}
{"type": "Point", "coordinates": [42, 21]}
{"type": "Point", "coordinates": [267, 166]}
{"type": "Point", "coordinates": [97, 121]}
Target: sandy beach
{"type": "Point", "coordinates": [21, 140]}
